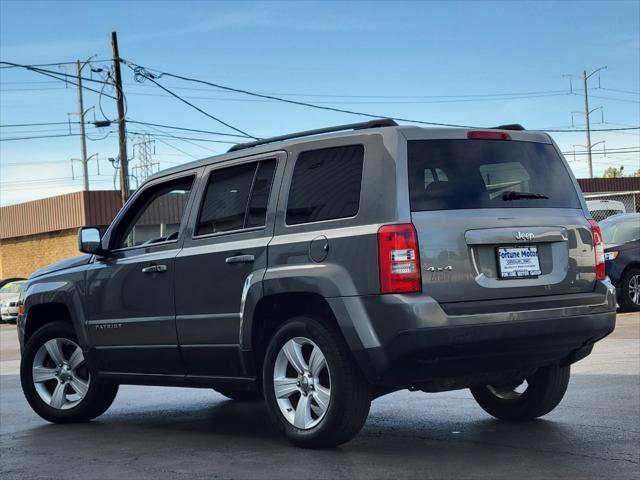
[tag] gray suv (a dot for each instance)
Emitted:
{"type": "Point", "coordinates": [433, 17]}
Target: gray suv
{"type": "Point", "coordinates": [324, 269]}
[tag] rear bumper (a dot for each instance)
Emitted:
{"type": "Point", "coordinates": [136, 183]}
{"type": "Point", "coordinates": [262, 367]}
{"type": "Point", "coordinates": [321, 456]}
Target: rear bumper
{"type": "Point", "coordinates": [408, 340]}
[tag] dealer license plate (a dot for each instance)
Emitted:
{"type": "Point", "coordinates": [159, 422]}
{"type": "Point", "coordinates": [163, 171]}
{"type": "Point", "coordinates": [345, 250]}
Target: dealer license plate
{"type": "Point", "coordinates": [518, 262]}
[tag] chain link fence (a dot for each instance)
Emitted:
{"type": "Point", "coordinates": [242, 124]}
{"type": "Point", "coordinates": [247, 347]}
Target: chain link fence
{"type": "Point", "coordinates": [603, 205]}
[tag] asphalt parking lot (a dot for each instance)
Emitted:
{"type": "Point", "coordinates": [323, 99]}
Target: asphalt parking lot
{"type": "Point", "coordinates": [157, 433]}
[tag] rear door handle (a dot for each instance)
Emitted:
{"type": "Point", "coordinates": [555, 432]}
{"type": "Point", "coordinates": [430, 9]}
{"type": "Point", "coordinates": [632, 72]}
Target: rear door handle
{"type": "Point", "coordinates": [154, 269]}
{"type": "Point", "coordinates": [240, 259]}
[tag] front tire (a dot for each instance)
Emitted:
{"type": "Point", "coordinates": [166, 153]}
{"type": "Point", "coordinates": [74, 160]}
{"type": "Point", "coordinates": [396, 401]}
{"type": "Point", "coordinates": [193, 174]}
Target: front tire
{"type": "Point", "coordinates": [56, 380]}
{"type": "Point", "coordinates": [544, 391]}
{"type": "Point", "coordinates": [630, 291]}
{"type": "Point", "coordinates": [315, 393]}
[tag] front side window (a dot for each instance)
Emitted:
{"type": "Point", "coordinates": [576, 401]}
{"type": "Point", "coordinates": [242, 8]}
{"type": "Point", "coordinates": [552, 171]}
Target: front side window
{"type": "Point", "coordinates": [156, 215]}
{"type": "Point", "coordinates": [326, 184]}
{"type": "Point", "coordinates": [236, 198]}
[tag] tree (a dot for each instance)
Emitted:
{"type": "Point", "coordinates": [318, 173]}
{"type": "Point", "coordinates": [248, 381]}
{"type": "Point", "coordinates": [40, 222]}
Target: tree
{"type": "Point", "coordinates": [612, 172]}
{"type": "Point", "coordinates": [636, 173]}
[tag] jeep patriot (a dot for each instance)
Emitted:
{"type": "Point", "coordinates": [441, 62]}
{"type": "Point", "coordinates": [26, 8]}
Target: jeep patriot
{"type": "Point", "coordinates": [323, 269]}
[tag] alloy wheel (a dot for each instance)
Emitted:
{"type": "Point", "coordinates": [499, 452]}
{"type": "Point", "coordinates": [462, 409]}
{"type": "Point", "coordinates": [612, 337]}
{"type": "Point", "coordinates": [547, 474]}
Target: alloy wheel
{"type": "Point", "coordinates": [60, 374]}
{"type": "Point", "coordinates": [634, 289]}
{"type": "Point", "coordinates": [302, 383]}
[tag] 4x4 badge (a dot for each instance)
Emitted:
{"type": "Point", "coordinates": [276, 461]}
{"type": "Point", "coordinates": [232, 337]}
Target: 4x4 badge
{"type": "Point", "coordinates": [525, 236]}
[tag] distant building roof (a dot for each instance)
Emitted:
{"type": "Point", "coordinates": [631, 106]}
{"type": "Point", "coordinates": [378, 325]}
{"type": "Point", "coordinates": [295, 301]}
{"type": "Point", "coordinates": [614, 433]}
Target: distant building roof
{"type": "Point", "coordinates": [61, 212]}
{"type": "Point", "coordinates": [603, 185]}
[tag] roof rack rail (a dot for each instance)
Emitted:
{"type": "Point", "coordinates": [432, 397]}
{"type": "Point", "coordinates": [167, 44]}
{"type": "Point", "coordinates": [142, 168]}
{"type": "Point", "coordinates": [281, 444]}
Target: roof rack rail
{"type": "Point", "coordinates": [510, 126]}
{"type": "Point", "coordinates": [381, 122]}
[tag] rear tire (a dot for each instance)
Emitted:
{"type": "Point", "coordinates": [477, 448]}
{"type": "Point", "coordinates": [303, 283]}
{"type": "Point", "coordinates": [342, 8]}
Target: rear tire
{"type": "Point", "coordinates": [62, 395]}
{"type": "Point", "coordinates": [326, 382]}
{"type": "Point", "coordinates": [545, 389]}
{"type": "Point", "coordinates": [629, 297]}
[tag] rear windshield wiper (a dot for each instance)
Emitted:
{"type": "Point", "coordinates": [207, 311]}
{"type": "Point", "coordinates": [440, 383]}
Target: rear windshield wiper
{"type": "Point", "coordinates": [511, 195]}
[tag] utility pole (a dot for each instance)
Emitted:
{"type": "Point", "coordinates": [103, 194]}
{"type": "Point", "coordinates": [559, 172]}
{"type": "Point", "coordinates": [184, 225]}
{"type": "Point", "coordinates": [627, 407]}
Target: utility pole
{"type": "Point", "coordinates": [587, 114]}
{"type": "Point", "coordinates": [586, 117]}
{"type": "Point", "coordinates": [83, 140]}
{"type": "Point", "coordinates": [122, 134]}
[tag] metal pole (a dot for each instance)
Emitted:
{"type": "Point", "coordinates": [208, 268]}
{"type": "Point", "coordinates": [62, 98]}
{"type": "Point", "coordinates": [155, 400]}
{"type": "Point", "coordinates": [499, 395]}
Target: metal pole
{"type": "Point", "coordinates": [83, 140]}
{"type": "Point", "coordinates": [122, 135]}
{"type": "Point", "coordinates": [586, 116]}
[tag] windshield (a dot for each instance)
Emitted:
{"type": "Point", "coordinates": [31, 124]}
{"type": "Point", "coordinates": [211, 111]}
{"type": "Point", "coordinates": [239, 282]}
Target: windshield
{"type": "Point", "coordinates": [455, 174]}
{"type": "Point", "coordinates": [617, 231]}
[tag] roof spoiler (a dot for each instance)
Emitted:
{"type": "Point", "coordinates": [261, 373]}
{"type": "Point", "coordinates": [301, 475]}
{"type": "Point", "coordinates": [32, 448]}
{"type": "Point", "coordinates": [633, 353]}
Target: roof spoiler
{"type": "Point", "coordinates": [509, 126]}
{"type": "Point", "coordinates": [381, 122]}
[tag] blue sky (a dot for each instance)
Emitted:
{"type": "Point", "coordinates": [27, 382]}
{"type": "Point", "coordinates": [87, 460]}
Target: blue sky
{"type": "Point", "coordinates": [442, 62]}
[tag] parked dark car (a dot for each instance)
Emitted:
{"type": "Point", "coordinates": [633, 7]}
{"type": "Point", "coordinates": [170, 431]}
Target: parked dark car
{"type": "Point", "coordinates": [321, 270]}
{"type": "Point", "coordinates": [622, 257]}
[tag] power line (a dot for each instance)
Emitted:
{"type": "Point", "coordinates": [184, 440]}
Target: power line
{"type": "Point", "coordinates": [54, 64]}
{"type": "Point", "coordinates": [49, 136]}
{"type": "Point", "coordinates": [57, 75]}
{"type": "Point", "coordinates": [37, 124]}
{"type": "Point", "coordinates": [361, 102]}
{"type": "Point", "coordinates": [148, 76]}
{"type": "Point", "coordinates": [584, 129]}
{"type": "Point", "coordinates": [38, 137]}
{"type": "Point", "coordinates": [619, 90]}
{"type": "Point", "coordinates": [615, 99]}
{"type": "Point", "coordinates": [331, 95]}
{"type": "Point", "coordinates": [142, 73]}
{"type": "Point", "coordinates": [176, 148]}
{"type": "Point", "coordinates": [192, 139]}
{"type": "Point", "coordinates": [195, 130]}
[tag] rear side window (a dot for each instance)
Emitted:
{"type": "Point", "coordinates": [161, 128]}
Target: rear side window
{"type": "Point", "coordinates": [326, 184]}
{"type": "Point", "coordinates": [457, 174]}
{"type": "Point", "coordinates": [236, 198]}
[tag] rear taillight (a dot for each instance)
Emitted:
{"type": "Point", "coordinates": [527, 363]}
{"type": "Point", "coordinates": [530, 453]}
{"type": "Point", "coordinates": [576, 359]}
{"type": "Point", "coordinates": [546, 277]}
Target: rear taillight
{"type": "Point", "coordinates": [399, 259]}
{"type": "Point", "coordinates": [598, 247]}
{"type": "Point", "coordinates": [487, 135]}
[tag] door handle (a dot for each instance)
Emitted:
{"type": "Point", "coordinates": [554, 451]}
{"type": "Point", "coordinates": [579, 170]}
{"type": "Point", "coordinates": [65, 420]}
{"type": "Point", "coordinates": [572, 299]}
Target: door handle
{"type": "Point", "coordinates": [154, 269]}
{"type": "Point", "coordinates": [240, 259]}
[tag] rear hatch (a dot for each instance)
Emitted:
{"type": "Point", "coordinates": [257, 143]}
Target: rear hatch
{"type": "Point", "coordinates": [497, 218]}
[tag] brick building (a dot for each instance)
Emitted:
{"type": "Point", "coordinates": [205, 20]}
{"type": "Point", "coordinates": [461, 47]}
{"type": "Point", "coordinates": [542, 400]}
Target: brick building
{"type": "Point", "coordinates": [37, 233]}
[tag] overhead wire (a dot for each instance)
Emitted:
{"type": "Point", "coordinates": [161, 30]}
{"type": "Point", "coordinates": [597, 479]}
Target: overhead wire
{"type": "Point", "coordinates": [141, 72]}
{"type": "Point", "coordinates": [147, 76]}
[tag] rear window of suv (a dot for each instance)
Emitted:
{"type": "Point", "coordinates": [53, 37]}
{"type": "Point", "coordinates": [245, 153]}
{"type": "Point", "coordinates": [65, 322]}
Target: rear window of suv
{"type": "Point", "coordinates": [326, 185]}
{"type": "Point", "coordinates": [471, 174]}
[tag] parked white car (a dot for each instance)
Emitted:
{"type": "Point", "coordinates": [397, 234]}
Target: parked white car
{"type": "Point", "coordinates": [9, 296]}
{"type": "Point", "coordinates": [601, 209]}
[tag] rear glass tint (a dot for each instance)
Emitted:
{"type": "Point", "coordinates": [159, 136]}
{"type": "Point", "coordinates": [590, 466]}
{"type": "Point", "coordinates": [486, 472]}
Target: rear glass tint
{"type": "Point", "coordinates": [456, 174]}
{"type": "Point", "coordinates": [325, 184]}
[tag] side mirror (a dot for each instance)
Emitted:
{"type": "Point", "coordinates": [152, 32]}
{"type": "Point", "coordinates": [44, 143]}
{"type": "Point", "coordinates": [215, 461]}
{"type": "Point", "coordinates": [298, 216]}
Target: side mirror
{"type": "Point", "coordinates": [89, 241]}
